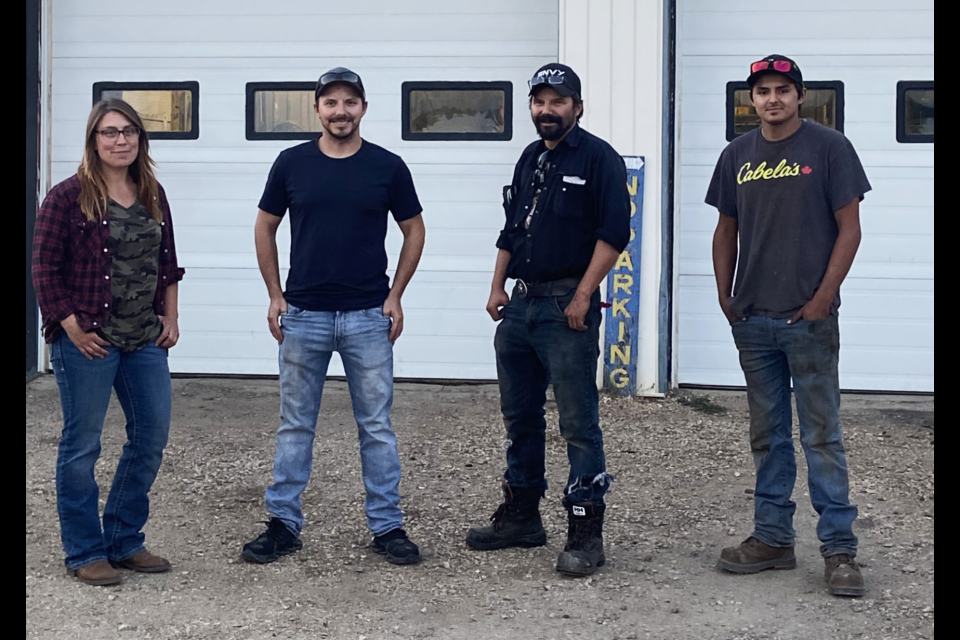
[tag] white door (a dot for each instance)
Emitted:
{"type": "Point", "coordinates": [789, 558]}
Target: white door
{"type": "Point", "coordinates": [888, 298]}
{"type": "Point", "coordinates": [215, 182]}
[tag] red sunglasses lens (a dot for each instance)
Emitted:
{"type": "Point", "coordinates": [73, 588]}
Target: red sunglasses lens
{"type": "Point", "coordinates": [783, 66]}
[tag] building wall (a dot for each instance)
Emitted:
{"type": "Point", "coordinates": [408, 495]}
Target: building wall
{"type": "Point", "coordinates": [886, 315]}
{"type": "Point", "coordinates": [616, 47]}
{"type": "Point", "coordinates": [32, 170]}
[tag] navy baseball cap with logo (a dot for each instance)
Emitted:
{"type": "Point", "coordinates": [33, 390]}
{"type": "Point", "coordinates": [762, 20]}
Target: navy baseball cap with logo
{"type": "Point", "coordinates": [558, 77]}
{"type": "Point", "coordinates": [340, 74]}
{"type": "Point", "coordinates": [775, 64]}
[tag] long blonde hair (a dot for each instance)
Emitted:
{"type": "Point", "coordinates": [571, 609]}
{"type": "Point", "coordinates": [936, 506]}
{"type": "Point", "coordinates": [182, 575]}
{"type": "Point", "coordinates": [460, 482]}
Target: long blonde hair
{"type": "Point", "coordinates": [94, 195]}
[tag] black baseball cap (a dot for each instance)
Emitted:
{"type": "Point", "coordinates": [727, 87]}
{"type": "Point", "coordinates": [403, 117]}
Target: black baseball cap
{"type": "Point", "coordinates": [340, 74]}
{"type": "Point", "coordinates": [775, 64]}
{"type": "Point", "coordinates": [558, 77]}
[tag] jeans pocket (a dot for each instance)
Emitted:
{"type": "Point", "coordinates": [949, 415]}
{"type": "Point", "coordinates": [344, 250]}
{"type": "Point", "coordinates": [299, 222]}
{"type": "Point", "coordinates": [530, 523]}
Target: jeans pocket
{"type": "Point", "coordinates": [291, 311]}
{"type": "Point", "coordinates": [560, 303]}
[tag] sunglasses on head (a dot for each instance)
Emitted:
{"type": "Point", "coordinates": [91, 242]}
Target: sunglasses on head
{"type": "Point", "coordinates": [545, 79]}
{"type": "Point", "coordinates": [336, 76]}
{"type": "Point", "coordinates": [783, 66]}
{"type": "Point", "coordinates": [339, 76]}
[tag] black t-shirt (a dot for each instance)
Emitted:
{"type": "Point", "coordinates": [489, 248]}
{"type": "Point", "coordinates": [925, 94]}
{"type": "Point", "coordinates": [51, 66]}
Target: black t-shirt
{"type": "Point", "coordinates": [784, 195]}
{"type": "Point", "coordinates": [338, 222]}
{"type": "Point", "coordinates": [582, 198]}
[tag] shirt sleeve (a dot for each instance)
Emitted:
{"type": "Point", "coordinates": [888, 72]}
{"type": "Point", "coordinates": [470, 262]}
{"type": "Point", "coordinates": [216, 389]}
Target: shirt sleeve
{"type": "Point", "coordinates": [509, 202]}
{"type": "Point", "coordinates": [404, 203]}
{"type": "Point", "coordinates": [50, 239]}
{"type": "Point", "coordinates": [275, 199]}
{"type": "Point", "coordinates": [722, 192]}
{"type": "Point", "coordinates": [848, 180]}
{"type": "Point", "coordinates": [169, 265]}
{"type": "Point", "coordinates": [611, 200]}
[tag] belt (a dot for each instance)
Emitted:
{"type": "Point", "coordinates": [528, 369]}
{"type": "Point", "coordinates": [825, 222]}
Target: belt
{"type": "Point", "coordinates": [546, 289]}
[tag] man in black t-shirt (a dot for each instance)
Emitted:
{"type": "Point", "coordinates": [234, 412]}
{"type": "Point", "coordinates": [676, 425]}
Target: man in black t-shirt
{"type": "Point", "coordinates": [339, 190]}
{"type": "Point", "coordinates": [567, 220]}
{"type": "Point", "coordinates": [790, 193]}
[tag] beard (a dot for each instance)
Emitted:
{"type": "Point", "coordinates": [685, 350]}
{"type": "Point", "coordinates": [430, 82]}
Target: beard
{"type": "Point", "coordinates": [348, 133]}
{"type": "Point", "coordinates": [558, 130]}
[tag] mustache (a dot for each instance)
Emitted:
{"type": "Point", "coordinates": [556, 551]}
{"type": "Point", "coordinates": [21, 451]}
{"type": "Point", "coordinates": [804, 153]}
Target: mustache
{"type": "Point", "coordinates": [342, 119]}
{"type": "Point", "coordinates": [547, 118]}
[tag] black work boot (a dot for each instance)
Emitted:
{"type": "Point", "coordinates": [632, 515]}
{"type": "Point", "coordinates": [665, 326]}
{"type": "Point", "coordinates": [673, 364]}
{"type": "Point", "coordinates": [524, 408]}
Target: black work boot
{"type": "Point", "coordinates": [583, 553]}
{"type": "Point", "coordinates": [516, 523]}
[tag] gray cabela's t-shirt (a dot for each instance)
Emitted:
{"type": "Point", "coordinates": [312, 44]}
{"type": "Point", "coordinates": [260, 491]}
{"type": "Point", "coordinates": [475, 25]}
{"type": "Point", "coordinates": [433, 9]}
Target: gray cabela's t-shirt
{"type": "Point", "coordinates": [784, 195]}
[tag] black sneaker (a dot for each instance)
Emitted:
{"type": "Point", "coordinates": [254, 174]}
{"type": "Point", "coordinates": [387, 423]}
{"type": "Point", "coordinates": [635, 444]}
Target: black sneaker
{"type": "Point", "coordinates": [397, 547]}
{"type": "Point", "coordinates": [276, 541]}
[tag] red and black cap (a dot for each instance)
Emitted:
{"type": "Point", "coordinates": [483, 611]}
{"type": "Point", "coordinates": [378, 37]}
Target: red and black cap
{"type": "Point", "coordinates": [775, 64]}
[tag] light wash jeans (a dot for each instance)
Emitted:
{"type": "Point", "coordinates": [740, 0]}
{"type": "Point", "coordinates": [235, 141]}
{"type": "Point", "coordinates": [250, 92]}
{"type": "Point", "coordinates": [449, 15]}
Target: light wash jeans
{"type": "Point", "coordinates": [309, 340]}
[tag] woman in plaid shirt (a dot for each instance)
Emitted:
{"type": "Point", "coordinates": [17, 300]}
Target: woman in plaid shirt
{"type": "Point", "coordinates": [105, 271]}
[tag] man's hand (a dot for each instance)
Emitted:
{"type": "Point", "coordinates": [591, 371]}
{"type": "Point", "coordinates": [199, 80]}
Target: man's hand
{"type": "Point", "coordinates": [170, 334]}
{"type": "Point", "coordinates": [576, 311]}
{"type": "Point", "coordinates": [814, 310]}
{"type": "Point", "coordinates": [498, 300]}
{"type": "Point", "coordinates": [393, 310]}
{"type": "Point", "coordinates": [725, 307]}
{"type": "Point", "coordinates": [277, 306]}
{"type": "Point", "coordinates": [90, 344]}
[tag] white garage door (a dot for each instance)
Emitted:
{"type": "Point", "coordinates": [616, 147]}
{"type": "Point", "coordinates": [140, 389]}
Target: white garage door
{"type": "Point", "coordinates": [215, 182]}
{"type": "Point", "coordinates": [869, 45]}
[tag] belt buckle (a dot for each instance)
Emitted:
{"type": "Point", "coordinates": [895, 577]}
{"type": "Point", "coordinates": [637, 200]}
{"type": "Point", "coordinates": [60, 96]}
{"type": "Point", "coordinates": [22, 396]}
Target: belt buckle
{"type": "Point", "coordinates": [522, 288]}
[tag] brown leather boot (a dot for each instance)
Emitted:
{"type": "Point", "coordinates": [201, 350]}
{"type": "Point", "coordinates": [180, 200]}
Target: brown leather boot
{"type": "Point", "coordinates": [753, 556]}
{"type": "Point", "coordinates": [144, 562]}
{"type": "Point", "coordinates": [843, 576]}
{"type": "Point", "coordinates": [98, 574]}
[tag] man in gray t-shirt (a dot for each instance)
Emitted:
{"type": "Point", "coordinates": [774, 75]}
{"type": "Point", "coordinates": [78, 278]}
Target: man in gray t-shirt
{"type": "Point", "coordinates": [789, 198]}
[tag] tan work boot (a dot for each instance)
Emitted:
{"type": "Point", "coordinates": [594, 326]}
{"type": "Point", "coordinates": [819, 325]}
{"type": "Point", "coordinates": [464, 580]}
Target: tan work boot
{"type": "Point", "coordinates": [98, 574]}
{"type": "Point", "coordinates": [753, 556]}
{"type": "Point", "coordinates": [144, 562]}
{"type": "Point", "coordinates": [843, 577]}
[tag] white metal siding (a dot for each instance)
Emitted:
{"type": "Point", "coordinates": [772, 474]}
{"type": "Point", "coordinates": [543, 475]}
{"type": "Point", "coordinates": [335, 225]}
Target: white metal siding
{"type": "Point", "coordinates": [214, 183]}
{"type": "Point", "coordinates": [888, 298]}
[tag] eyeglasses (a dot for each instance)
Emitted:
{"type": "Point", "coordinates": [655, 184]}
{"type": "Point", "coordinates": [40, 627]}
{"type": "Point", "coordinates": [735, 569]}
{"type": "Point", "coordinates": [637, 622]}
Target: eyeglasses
{"type": "Point", "coordinates": [783, 66]}
{"type": "Point", "coordinates": [112, 133]}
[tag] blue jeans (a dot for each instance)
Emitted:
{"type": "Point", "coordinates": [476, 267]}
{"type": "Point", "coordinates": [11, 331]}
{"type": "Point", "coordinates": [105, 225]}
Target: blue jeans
{"type": "Point", "coordinates": [771, 353]}
{"type": "Point", "coordinates": [142, 381]}
{"type": "Point", "coordinates": [536, 347]}
{"type": "Point", "coordinates": [309, 340]}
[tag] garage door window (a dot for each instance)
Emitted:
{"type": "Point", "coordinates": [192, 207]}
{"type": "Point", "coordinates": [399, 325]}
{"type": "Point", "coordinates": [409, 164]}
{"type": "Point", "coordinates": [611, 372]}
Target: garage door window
{"type": "Point", "coordinates": [170, 110]}
{"type": "Point", "coordinates": [281, 111]}
{"type": "Point", "coordinates": [457, 110]}
{"type": "Point", "coordinates": [823, 104]}
{"type": "Point", "coordinates": [914, 111]}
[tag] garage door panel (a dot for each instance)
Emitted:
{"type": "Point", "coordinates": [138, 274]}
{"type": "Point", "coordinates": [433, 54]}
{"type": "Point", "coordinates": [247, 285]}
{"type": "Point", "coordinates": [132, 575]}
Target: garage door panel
{"type": "Point", "coordinates": [888, 298]}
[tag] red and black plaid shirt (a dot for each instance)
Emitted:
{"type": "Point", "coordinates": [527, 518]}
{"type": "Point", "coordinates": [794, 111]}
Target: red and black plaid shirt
{"type": "Point", "coordinates": [71, 261]}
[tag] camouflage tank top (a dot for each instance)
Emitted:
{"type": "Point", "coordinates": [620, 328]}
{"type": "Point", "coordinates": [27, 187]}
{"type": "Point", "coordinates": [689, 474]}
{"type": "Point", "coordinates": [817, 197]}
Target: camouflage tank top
{"type": "Point", "coordinates": [135, 250]}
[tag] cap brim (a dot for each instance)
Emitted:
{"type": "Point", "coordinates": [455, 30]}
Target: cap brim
{"type": "Point", "coordinates": [753, 77]}
{"type": "Point", "coordinates": [353, 85]}
{"type": "Point", "coordinates": [563, 90]}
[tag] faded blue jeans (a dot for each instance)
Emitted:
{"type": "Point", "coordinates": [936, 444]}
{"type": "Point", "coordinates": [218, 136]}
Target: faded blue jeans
{"type": "Point", "coordinates": [142, 381]}
{"type": "Point", "coordinates": [771, 354]}
{"type": "Point", "coordinates": [536, 347]}
{"type": "Point", "coordinates": [309, 340]}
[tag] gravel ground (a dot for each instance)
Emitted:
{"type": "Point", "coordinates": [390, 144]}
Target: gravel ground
{"type": "Point", "coordinates": [683, 486]}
